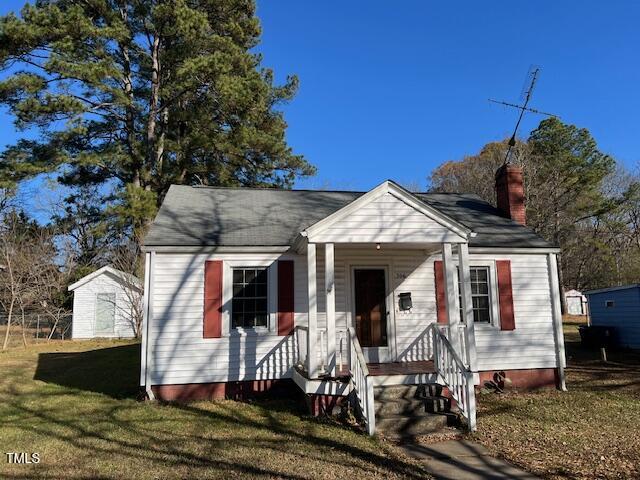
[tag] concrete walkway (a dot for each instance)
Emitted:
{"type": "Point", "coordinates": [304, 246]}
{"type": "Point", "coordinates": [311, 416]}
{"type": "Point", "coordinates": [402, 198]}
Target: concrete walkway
{"type": "Point", "coordinates": [463, 460]}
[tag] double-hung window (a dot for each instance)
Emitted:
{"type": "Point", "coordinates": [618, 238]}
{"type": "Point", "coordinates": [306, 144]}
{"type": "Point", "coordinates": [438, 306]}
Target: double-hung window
{"type": "Point", "coordinates": [480, 294]}
{"type": "Point", "coordinates": [249, 306]}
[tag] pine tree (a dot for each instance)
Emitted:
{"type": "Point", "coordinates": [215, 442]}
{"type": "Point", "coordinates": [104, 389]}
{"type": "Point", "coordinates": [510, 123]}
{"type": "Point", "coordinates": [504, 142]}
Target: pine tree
{"type": "Point", "coordinates": [567, 170]}
{"type": "Point", "coordinates": [133, 95]}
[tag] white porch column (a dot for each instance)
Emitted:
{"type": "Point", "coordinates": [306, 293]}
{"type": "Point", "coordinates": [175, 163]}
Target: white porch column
{"type": "Point", "coordinates": [467, 305]}
{"type": "Point", "coordinates": [450, 280]}
{"type": "Point", "coordinates": [312, 334]}
{"type": "Point", "coordinates": [554, 285]}
{"type": "Point", "coordinates": [329, 284]}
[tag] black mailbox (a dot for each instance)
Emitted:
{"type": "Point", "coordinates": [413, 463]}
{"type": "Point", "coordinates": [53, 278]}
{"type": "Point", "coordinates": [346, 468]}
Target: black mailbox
{"type": "Point", "coordinates": [405, 301]}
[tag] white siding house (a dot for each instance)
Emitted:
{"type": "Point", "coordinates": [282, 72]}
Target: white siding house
{"type": "Point", "coordinates": [104, 304]}
{"type": "Point", "coordinates": [182, 356]}
{"type": "Point", "coordinates": [341, 291]}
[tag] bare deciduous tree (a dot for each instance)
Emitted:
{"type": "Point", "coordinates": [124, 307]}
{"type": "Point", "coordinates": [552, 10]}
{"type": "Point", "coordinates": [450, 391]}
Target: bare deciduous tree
{"type": "Point", "coordinates": [31, 274]}
{"type": "Point", "coordinates": [128, 259]}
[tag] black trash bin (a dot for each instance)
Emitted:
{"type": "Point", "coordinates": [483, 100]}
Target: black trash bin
{"type": "Point", "coordinates": [596, 336]}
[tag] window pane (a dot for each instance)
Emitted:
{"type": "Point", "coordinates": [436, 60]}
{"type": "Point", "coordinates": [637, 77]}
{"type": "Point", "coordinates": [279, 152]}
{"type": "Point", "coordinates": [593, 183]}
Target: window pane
{"type": "Point", "coordinates": [238, 276]}
{"type": "Point", "coordinates": [483, 288]}
{"type": "Point", "coordinates": [261, 276]}
{"type": "Point", "coordinates": [261, 290]}
{"type": "Point", "coordinates": [261, 306]}
{"type": "Point", "coordinates": [261, 320]}
{"type": "Point", "coordinates": [249, 275]}
{"type": "Point", "coordinates": [481, 302]}
{"type": "Point", "coordinates": [481, 274]}
{"type": "Point", "coordinates": [484, 302]}
{"type": "Point", "coordinates": [237, 306]}
{"type": "Point", "coordinates": [249, 306]}
{"type": "Point", "coordinates": [481, 315]}
{"type": "Point", "coordinates": [474, 274]}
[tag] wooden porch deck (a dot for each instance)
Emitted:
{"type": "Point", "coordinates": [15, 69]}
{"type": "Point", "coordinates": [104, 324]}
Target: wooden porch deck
{"type": "Point", "coordinates": [394, 368]}
{"type": "Point", "coordinates": [401, 368]}
{"type": "Point", "coordinates": [382, 374]}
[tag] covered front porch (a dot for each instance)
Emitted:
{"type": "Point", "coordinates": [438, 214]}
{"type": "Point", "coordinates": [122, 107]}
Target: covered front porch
{"type": "Point", "coordinates": [372, 271]}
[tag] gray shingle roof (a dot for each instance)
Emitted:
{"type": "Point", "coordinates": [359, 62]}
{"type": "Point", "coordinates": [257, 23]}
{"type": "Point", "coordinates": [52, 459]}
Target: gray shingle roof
{"type": "Point", "coordinates": [213, 216]}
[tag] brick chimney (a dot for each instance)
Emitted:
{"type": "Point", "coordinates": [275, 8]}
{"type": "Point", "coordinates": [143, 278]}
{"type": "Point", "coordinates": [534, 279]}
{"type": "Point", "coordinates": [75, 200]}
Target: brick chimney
{"type": "Point", "coordinates": [510, 192]}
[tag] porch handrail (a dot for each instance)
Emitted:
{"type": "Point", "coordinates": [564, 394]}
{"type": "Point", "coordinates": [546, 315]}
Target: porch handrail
{"type": "Point", "coordinates": [361, 382]}
{"type": "Point", "coordinates": [455, 375]}
{"type": "Point", "coordinates": [462, 339]}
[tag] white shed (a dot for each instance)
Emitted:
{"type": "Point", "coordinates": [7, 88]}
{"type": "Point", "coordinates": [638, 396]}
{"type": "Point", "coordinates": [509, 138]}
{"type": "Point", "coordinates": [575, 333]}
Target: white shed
{"type": "Point", "coordinates": [106, 304]}
{"type": "Point", "coordinates": [576, 302]}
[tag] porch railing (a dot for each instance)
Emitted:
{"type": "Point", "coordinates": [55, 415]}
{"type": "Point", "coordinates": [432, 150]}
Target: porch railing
{"type": "Point", "coordinates": [457, 377]}
{"type": "Point", "coordinates": [342, 348]}
{"type": "Point", "coordinates": [451, 367]}
{"type": "Point", "coordinates": [461, 331]}
{"type": "Point", "coordinates": [361, 382]}
{"type": "Point", "coordinates": [422, 348]}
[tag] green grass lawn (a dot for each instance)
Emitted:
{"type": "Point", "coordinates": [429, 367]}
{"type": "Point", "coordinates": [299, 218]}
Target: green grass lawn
{"type": "Point", "coordinates": [590, 431]}
{"type": "Point", "coordinates": [75, 404]}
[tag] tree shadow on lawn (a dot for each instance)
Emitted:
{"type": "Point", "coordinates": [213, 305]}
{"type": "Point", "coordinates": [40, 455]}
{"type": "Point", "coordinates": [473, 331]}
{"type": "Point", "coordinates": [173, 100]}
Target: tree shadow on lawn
{"type": "Point", "coordinates": [114, 435]}
{"type": "Point", "coordinates": [118, 431]}
{"type": "Point", "coordinates": [113, 371]}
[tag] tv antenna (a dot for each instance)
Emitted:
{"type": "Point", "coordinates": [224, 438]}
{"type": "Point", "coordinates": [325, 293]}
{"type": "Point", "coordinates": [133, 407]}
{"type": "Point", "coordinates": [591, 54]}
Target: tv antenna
{"type": "Point", "coordinates": [527, 91]}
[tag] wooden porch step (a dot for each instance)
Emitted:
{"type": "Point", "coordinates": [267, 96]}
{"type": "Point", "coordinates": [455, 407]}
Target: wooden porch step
{"type": "Point", "coordinates": [401, 368]}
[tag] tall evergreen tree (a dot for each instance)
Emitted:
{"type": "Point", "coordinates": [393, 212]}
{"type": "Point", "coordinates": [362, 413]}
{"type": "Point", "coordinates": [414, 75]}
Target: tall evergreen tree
{"type": "Point", "coordinates": [139, 94]}
{"type": "Point", "coordinates": [567, 170]}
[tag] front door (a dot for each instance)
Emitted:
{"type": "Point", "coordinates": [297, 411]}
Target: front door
{"type": "Point", "coordinates": [371, 315]}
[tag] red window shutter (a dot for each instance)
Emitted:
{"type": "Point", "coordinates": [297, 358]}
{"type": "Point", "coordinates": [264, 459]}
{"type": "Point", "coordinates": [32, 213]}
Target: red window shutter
{"type": "Point", "coordinates": [285, 297]}
{"type": "Point", "coordinates": [505, 295]}
{"type": "Point", "coordinates": [441, 298]}
{"type": "Point", "coordinates": [212, 299]}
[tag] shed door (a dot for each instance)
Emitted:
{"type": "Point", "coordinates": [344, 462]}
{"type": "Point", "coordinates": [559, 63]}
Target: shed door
{"type": "Point", "coordinates": [574, 306]}
{"type": "Point", "coordinates": [105, 314]}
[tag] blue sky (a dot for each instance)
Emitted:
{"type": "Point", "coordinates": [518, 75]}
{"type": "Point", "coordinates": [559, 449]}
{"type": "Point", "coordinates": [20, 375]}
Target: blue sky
{"type": "Point", "coordinates": [392, 89]}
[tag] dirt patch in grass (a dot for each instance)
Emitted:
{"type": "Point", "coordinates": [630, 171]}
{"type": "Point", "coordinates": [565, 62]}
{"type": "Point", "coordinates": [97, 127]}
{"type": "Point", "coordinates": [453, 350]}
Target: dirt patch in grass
{"type": "Point", "coordinates": [590, 431]}
{"type": "Point", "coordinates": [75, 404]}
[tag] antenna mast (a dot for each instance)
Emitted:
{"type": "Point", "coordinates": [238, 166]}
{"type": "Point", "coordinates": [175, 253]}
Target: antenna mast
{"type": "Point", "coordinates": [527, 92]}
